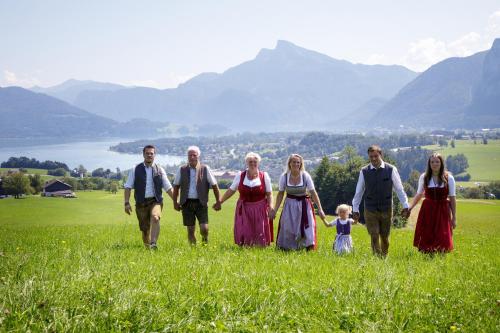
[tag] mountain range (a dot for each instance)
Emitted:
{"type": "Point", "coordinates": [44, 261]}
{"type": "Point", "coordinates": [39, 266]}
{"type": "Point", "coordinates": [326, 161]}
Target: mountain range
{"type": "Point", "coordinates": [282, 89]}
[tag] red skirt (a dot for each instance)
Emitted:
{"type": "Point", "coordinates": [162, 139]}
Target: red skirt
{"type": "Point", "coordinates": [433, 232]}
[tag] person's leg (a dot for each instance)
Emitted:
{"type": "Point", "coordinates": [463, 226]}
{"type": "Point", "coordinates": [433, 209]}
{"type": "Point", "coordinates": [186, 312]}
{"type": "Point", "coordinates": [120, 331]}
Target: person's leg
{"type": "Point", "coordinates": [144, 223]}
{"type": "Point", "coordinates": [385, 230]}
{"type": "Point", "coordinates": [189, 219]}
{"type": "Point", "coordinates": [373, 228]}
{"type": "Point", "coordinates": [154, 219]}
{"type": "Point", "coordinates": [191, 229]}
{"type": "Point", "coordinates": [201, 213]}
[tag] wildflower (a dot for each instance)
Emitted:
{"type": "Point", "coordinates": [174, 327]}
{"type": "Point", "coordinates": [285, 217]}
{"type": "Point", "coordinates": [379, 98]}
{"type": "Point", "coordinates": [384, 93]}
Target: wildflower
{"type": "Point", "coordinates": [453, 328]}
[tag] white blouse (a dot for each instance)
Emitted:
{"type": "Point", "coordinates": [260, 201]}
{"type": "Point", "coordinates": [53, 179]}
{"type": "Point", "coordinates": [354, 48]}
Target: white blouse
{"type": "Point", "coordinates": [451, 185]}
{"type": "Point", "coordinates": [251, 183]}
{"type": "Point", "coordinates": [286, 178]}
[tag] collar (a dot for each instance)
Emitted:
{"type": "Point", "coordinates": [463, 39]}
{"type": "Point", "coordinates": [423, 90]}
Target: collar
{"type": "Point", "coordinates": [382, 165]}
{"type": "Point", "coordinates": [148, 166]}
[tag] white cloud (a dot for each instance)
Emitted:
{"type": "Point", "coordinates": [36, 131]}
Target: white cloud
{"type": "Point", "coordinates": [428, 51]}
{"type": "Point", "coordinates": [375, 59]}
{"type": "Point", "coordinates": [12, 79]}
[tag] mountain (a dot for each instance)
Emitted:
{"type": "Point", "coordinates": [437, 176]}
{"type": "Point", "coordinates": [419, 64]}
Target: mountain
{"type": "Point", "coordinates": [69, 90]}
{"type": "Point", "coordinates": [456, 92]}
{"type": "Point", "coordinates": [26, 114]}
{"type": "Point", "coordinates": [286, 88]}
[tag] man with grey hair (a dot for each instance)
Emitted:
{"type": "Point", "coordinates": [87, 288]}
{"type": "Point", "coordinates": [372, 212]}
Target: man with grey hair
{"type": "Point", "coordinates": [194, 180]}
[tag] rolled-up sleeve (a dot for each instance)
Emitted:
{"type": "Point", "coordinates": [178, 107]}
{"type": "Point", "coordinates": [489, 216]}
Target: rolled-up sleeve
{"type": "Point", "coordinates": [360, 190]}
{"type": "Point", "coordinates": [211, 179]}
{"type": "Point", "coordinates": [398, 187]}
{"type": "Point", "coordinates": [165, 182]}
{"type": "Point", "coordinates": [130, 180]}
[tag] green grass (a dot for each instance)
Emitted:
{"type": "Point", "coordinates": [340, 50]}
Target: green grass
{"type": "Point", "coordinates": [30, 171]}
{"type": "Point", "coordinates": [484, 160]}
{"type": "Point", "coordinates": [79, 265]}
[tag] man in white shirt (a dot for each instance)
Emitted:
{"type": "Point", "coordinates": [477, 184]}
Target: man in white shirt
{"type": "Point", "coordinates": [147, 179]}
{"type": "Point", "coordinates": [194, 181]}
{"type": "Point", "coordinates": [376, 181]}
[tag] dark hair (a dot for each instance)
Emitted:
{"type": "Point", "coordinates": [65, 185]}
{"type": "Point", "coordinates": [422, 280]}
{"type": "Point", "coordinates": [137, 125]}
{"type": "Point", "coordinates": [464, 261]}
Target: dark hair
{"type": "Point", "coordinates": [148, 147]}
{"type": "Point", "coordinates": [443, 174]}
{"type": "Point", "coordinates": [375, 148]}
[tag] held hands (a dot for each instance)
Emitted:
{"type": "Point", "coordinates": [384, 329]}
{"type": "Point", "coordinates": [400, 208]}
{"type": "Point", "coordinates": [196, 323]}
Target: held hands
{"type": "Point", "coordinates": [128, 208]}
{"type": "Point", "coordinates": [355, 217]}
{"type": "Point", "coordinates": [177, 207]}
{"type": "Point", "coordinates": [322, 215]}
{"type": "Point", "coordinates": [272, 213]}
{"type": "Point", "coordinates": [405, 213]}
{"type": "Point", "coordinates": [217, 206]}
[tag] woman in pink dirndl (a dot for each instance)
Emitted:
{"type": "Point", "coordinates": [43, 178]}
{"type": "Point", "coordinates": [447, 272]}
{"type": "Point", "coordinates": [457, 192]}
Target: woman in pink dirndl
{"type": "Point", "coordinates": [252, 226]}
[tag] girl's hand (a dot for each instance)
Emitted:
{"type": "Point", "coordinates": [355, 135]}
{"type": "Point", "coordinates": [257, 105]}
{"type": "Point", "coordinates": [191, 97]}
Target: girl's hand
{"type": "Point", "coordinates": [272, 213]}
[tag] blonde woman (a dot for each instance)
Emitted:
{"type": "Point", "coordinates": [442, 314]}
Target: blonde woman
{"type": "Point", "coordinates": [251, 218]}
{"type": "Point", "coordinates": [297, 226]}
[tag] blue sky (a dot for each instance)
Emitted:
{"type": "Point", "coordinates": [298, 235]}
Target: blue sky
{"type": "Point", "coordinates": [164, 43]}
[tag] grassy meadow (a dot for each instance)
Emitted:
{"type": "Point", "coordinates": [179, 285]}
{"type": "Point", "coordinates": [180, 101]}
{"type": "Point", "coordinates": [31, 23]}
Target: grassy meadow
{"type": "Point", "coordinates": [79, 265]}
{"type": "Point", "coordinates": [484, 160]}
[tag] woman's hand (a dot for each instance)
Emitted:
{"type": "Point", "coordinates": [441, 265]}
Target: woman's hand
{"type": "Point", "coordinates": [453, 222]}
{"type": "Point", "coordinates": [321, 214]}
{"type": "Point", "coordinates": [272, 213]}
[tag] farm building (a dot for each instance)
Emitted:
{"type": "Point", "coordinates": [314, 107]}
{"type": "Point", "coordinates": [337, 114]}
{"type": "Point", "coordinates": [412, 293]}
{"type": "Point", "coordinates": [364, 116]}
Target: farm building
{"type": "Point", "coordinates": [57, 188]}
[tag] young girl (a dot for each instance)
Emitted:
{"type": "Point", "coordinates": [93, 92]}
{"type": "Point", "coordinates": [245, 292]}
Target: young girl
{"type": "Point", "coordinates": [343, 240]}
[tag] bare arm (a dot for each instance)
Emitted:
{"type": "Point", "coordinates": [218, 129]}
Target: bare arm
{"type": "Point", "coordinates": [128, 208]}
{"type": "Point", "coordinates": [277, 204]}
{"type": "Point", "coordinates": [453, 209]}
{"type": "Point", "coordinates": [170, 193]}
{"type": "Point", "coordinates": [175, 195]}
{"type": "Point", "coordinates": [315, 197]}
{"type": "Point", "coordinates": [415, 201]}
{"type": "Point", "coordinates": [216, 190]}
{"type": "Point", "coordinates": [269, 197]}
{"type": "Point", "coordinates": [228, 194]}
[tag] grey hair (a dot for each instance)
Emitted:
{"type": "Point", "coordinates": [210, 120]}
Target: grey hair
{"type": "Point", "coordinates": [252, 155]}
{"type": "Point", "coordinates": [194, 148]}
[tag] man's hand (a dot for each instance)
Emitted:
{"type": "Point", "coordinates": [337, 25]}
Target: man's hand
{"type": "Point", "coordinates": [128, 208]}
{"type": "Point", "coordinates": [177, 207]}
{"type": "Point", "coordinates": [355, 217]}
{"type": "Point", "coordinates": [217, 206]}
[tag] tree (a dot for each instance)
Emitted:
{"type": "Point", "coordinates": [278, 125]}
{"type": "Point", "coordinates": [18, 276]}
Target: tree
{"type": "Point", "coordinates": [16, 184]}
{"type": "Point", "coordinates": [98, 172]}
{"type": "Point", "coordinates": [452, 143]}
{"type": "Point", "coordinates": [443, 142]}
{"type": "Point", "coordinates": [485, 141]}
{"type": "Point", "coordinates": [59, 172]}
{"type": "Point", "coordinates": [457, 163]}
{"type": "Point", "coordinates": [36, 183]}
{"type": "Point", "coordinates": [113, 187]}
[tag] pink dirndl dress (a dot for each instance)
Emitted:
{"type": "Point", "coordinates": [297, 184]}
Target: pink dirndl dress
{"type": "Point", "coordinates": [251, 221]}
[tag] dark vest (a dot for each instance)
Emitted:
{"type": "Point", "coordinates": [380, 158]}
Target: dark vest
{"type": "Point", "coordinates": [140, 183]}
{"type": "Point", "coordinates": [343, 229]}
{"type": "Point", "coordinates": [378, 188]}
{"type": "Point", "coordinates": [202, 184]}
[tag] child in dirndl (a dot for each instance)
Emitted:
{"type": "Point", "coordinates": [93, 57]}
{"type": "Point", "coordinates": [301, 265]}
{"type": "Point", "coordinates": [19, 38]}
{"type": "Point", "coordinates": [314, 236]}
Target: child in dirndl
{"type": "Point", "coordinates": [343, 240]}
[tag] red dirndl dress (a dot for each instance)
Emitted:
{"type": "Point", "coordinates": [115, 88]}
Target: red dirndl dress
{"type": "Point", "coordinates": [433, 232]}
{"type": "Point", "coordinates": [251, 221]}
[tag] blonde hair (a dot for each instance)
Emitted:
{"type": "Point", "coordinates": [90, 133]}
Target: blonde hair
{"type": "Point", "coordinates": [343, 207]}
{"type": "Point", "coordinates": [251, 155]}
{"type": "Point", "coordinates": [289, 161]}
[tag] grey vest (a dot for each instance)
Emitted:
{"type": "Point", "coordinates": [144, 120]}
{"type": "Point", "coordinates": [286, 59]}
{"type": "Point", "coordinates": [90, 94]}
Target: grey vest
{"type": "Point", "coordinates": [140, 183]}
{"type": "Point", "coordinates": [202, 184]}
{"type": "Point", "coordinates": [378, 188]}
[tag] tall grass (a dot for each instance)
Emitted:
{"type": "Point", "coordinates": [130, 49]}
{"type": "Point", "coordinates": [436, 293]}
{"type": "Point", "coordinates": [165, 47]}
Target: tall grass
{"type": "Point", "coordinates": [79, 265]}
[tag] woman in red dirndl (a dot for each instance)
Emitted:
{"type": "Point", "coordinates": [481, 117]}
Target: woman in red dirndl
{"type": "Point", "coordinates": [437, 216]}
{"type": "Point", "coordinates": [252, 226]}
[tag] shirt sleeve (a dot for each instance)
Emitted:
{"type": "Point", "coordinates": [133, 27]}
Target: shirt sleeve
{"type": "Point", "coordinates": [211, 179]}
{"type": "Point", "coordinates": [398, 187]}
{"type": "Point", "coordinates": [130, 180]}
{"type": "Point", "coordinates": [420, 189]}
{"type": "Point", "coordinates": [282, 182]}
{"type": "Point", "coordinates": [360, 190]}
{"type": "Point", "coordinates": [236, 182]}
{"type": "Point", "coordinates": [309, 181]}
{"type": "Point", "coordinates": [166, 183]}
{"type": "Point", "coordinates": [451, 186]}
{"type": "Point", "coordinates": [267, 180]}
{"type": "Point", "coordinates": [177, 179]}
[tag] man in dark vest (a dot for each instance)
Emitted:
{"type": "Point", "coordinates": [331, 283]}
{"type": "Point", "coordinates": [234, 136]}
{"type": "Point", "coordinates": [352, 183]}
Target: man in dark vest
{"type": "Point", "coordinates": [194, 181]}
{"type": "Point", "coordinates": [147, 179]}
{"type": "Point", "coordinates": [376, 181]}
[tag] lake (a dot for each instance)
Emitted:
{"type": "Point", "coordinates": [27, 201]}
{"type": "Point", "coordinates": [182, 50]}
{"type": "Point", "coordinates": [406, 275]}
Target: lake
{"type": "Point", "coordinates": [91, 155]}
